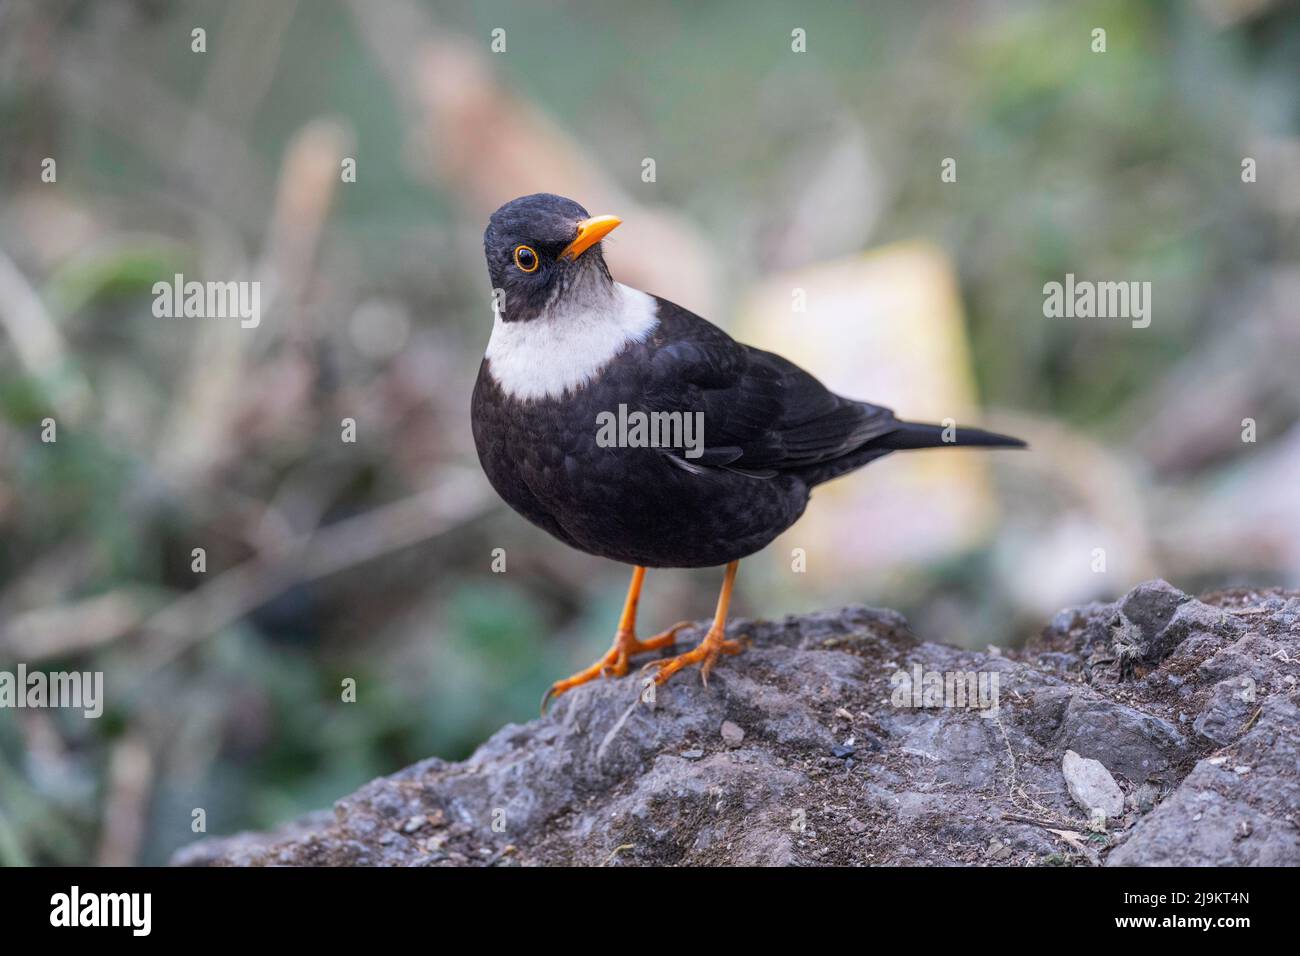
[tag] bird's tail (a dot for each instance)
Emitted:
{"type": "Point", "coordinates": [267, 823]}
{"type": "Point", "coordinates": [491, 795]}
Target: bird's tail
{"type": "Point", "coordinates": [907, 435]}
{"type": "Point", "coordinates": [921, 435]}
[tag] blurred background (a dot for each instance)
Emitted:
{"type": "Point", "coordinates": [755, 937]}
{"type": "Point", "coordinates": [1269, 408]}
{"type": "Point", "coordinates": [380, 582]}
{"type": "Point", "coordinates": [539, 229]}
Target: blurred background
{"type": "Point", "coordinates": [793, 197]}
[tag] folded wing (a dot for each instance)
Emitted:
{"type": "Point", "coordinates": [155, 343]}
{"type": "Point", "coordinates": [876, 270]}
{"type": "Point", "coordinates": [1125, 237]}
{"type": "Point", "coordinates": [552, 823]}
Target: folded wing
{"type": "Point", "coordinates": [763, 414]}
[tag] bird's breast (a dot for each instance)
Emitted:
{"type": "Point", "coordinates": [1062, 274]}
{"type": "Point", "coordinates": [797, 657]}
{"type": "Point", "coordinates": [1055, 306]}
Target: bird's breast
{"type": "Point", "coordinates": [565, 349]}
{"type": "Point", "coordinates": [624, 501]}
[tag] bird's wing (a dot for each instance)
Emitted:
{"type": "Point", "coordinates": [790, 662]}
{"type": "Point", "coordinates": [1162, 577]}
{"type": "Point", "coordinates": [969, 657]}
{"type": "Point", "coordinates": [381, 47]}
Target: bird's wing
{"type": "Point", "coordinates": [762, 413]}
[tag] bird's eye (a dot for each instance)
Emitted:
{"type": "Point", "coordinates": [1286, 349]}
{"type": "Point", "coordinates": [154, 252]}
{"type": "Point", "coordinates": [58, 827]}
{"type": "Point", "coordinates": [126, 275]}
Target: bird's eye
{"type": "Point", "coordinates": [526, 258]}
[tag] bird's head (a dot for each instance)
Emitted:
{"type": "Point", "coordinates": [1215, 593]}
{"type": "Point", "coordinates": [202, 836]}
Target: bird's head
{"type": "Point", "coordinates": [543, 254]}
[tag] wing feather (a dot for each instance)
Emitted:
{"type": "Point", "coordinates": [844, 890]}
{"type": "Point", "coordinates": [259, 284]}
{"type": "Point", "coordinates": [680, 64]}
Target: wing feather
{"type": "Point", "coordinates": [763, 414]}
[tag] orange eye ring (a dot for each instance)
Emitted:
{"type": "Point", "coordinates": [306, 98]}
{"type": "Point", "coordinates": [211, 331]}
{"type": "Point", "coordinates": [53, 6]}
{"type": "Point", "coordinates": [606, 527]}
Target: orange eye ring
{"type": "Point", "coordinates": [526, 259]}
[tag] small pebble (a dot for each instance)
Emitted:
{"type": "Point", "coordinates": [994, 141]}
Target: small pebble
{"type": "Point", "coordinates": [692, 754]}
{"type": "Point", "coordinates": [843, 750]}
{"type": "Point", "coordinates": [997, 850]}
{"type": "Point", "coordinates": [732, 735]}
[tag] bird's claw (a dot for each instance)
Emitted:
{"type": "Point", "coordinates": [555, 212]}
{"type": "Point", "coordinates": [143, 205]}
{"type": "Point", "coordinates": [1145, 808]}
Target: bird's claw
{"type": "Point", "coordinates": [706, 654]}
{"type": "Point", "coordinates": [615, 662]}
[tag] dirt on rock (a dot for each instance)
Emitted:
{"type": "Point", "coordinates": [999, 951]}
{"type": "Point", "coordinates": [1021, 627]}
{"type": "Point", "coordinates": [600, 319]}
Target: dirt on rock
{"type": "Point", "coordinates": [850, 742]}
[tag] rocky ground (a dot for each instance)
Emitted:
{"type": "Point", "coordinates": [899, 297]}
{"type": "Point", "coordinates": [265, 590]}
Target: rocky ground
{"type": "Point", "coordinates": [1159, 729]}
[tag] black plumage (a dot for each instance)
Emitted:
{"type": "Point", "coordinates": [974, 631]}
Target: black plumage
{"type": "Point", "coordinates": [570, 346]}
{"type": "Point", "coordinates": [772, 432]}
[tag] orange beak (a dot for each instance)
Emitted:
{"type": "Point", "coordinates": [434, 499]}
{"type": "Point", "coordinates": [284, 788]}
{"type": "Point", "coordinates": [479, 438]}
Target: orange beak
{"type": "Point", "coordinates": [590, 232]}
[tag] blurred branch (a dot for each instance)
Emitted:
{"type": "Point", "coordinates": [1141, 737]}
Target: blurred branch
{"type": "Point", "coordinates": [461, 498]}
{"type": "Point", "coordinates": [38, 343]}
{"type": "Point", "coordinates": [244, 58]}
{"type": "Point", "coordinates": [83, 625]}
{"type": "Point", "coordinates": [114, 95]}
{"type": "Point", "coordinates": [11, 846]}
{"type": "Point", "coordinates": [70, 628]}
{"type": "Point", "coordinates": [310, 176]}
{"type": "Point", "coordinates": [130, 777]}
{"type": "Point", "coordinates": [200, 434]}
{"type": "Point", "coordinates": [48, 578]}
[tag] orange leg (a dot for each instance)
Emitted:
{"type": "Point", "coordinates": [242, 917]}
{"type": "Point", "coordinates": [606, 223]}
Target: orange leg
{"type": "Point", "coordinates": [615, 661]}
{"type": "Point", "coordinates": [715, 641]}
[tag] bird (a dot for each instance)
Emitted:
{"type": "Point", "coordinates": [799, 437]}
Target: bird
{"type": "Point", "coordinates": [632, 429]}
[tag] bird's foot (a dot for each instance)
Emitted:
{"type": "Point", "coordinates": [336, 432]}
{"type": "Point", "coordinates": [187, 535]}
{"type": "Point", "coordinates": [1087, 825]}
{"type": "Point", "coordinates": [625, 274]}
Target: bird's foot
{"type": "Point", "coordinates": [705, 654]}
{"type": "Point", "coordinates": [614, 663]}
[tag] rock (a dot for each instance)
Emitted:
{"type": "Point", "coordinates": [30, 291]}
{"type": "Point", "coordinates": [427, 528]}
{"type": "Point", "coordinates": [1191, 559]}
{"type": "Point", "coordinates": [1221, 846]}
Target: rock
{"type": "Point", "coordinates": [1144, 798]}
{"type": "Point", "coordinates": [1147, 611]}
{"type": "Point", "coordinates": [1139, 745]}
{"type": "Point", "coordinates": [1204, 821]}
{"type": "Point", "coordinates": [1092, 786]}
{"type": "Point", "coordinates": [1150, 686]}
{"type": "Point", "coordinates": [1230, 705]}
{"type": "Point", "coordinates": [1195, 622]}
{"type": "Point", "coordinates": [997, 850]}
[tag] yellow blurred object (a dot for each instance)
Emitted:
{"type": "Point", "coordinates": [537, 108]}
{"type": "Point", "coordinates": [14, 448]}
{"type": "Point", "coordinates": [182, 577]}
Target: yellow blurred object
{"type": "Point", "coordinates": [885, 327]}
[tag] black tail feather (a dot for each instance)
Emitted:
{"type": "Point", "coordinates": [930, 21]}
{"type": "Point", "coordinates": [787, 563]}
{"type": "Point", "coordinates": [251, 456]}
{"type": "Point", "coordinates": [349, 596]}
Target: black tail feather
{"type": "Point", "coordinates": [907, 435]}
{"type": "Point", "coordinates": [921, 435]}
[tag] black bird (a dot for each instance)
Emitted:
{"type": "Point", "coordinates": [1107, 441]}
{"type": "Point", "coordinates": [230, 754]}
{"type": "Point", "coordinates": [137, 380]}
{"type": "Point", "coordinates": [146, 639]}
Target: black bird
{"type": "Point", "coordinates": [572, 351]}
